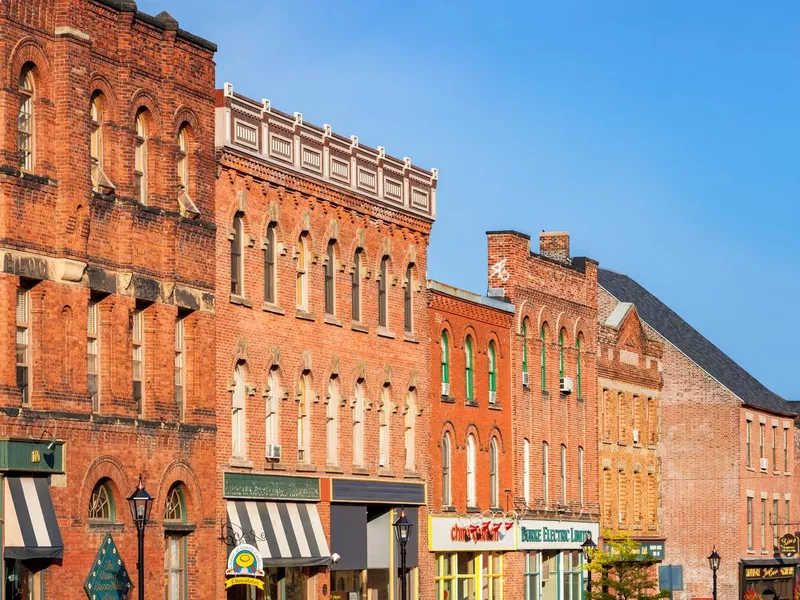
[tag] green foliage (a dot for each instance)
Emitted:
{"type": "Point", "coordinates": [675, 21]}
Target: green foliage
{"type": "Point", "coordinates": [620, 572]}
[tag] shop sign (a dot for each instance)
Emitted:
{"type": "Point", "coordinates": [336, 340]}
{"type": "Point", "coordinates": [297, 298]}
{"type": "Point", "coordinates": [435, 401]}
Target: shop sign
{"type": "Point", "coordinates": [270, 487]}
{"type": "Point", "coordinates": [448, 534]}
{"type": "Point", "coordinates": [108, 579]}
{"type": "Point", "coordinates": [789, 544]}
{"type": "Point", "coordinates": [537, 534]}
{"type": "Point", "coordinates": [776, 572]}
{"type": "Point", "coordinates": [245, 567]}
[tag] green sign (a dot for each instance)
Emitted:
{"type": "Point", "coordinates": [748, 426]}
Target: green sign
{"type": "Point", "coordinates": [32, 455]}
{"type": "Point", "coordinates": [108, 579]}
{"type": "Point", "coordinates": [270, 487]}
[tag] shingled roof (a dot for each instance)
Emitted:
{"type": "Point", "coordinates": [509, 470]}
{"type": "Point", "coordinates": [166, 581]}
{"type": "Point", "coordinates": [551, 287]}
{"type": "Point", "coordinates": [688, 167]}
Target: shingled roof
{"type": "Point", "coordinates": [692, 343]}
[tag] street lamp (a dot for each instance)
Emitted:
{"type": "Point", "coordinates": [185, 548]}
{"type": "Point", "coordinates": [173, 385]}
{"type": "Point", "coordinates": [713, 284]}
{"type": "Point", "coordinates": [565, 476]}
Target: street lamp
{"type": "Point", "coordinates": [588, 547]}
{"type": "Point", "coordinates": [141, 503]}
{"type": "Point", "coordinates": [402, 529]}
{"type": "Point", "coordinates": [713, 562]}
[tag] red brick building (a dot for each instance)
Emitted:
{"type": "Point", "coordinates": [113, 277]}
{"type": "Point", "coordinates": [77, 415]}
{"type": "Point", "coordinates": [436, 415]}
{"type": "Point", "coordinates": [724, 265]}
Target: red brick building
{"type": "Point", "coordinates": [106, 234]}
{"type": "Point", "coordinates": [322, 355]}
{"type": "Point", "coordinates": [470, 444]}
{"type": "Point", "coordinates": [554, 399]}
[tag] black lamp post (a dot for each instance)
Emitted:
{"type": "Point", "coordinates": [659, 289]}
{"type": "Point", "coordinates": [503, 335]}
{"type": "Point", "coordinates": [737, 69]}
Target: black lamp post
{"type": "Point", "coordinates": [141, 504]}
{"type": "Point", "coordinates": [402, 529]}
{"type": "Point", "coordinates": [713, 562]}
{"type": "Point", "coordinates": [588, 547]}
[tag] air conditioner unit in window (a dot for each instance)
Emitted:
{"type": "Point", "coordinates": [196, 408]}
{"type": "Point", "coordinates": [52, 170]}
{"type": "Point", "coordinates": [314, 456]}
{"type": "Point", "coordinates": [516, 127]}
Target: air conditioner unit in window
{"type": "Point", "coordinates": [764, 464]}
{"type": "Point", "coordinates": [445, 389]}
{"type": "Point", "coordinates": [273, 452]}
{"type": "Point", "coordinates": [525, 379]}
{"type": "Point", "coordinates": [635, 436]}
{"type": "Point", "coordinates": [565, 385]}
{"type": "Point", "coordinates": [492, 397]}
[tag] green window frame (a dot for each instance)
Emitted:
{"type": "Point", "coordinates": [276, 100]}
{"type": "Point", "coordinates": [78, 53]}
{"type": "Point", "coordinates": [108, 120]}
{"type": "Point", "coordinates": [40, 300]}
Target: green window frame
{"type": "Point", "coordinates": [445, 357]}
{"type": "Point", "coordinates": [101, 503]}
{"type": "Point", "coordinates": [468, 370]}
{"type": "Point", "coordinates": [561, 354]}
{"type": "Point", "coordinates": [544, 356]}
{"type": "Point", "coordinates": [578, 366]}
{"type": "Point", "coordinates": [525, 345]}
{"type": "Point", "coordinates": [492, 368]}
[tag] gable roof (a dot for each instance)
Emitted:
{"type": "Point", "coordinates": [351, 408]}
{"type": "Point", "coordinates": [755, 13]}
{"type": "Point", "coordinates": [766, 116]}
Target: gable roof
{"type": "Point", "coordinates": [692, 343]}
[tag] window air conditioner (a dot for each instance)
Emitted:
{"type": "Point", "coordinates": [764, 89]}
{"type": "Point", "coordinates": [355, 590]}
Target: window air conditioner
{"type": "Point", "coordinates": [764, 464]}
{"type": "Point", "coordinates": [565, 385]}
{"type": "Point", "coordinates": [525, 379]}
{"type": "Point", "coordinates": [492, 397]}
{"type": "Point", "coordinates": [273, 451]}
{"type": "Point", "coordinates": [445, 389]}
{"type": "Point", "coordinates": [635, 436]}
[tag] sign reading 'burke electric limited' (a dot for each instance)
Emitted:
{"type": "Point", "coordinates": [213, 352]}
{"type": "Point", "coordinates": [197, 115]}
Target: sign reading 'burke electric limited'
{"type": "Point", "coordinates": [541, 534]}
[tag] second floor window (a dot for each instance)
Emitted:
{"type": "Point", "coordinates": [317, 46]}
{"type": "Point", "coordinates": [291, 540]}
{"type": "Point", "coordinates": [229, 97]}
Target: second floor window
{"type": "Point", "coordinates": [543, 335]}
{"type": "Point", "coordinates": [410, 432]}
{"type": "Point", "coordinates": [330, 279]}
{"type": "Point", "coordinates": [358, 427]}
{"type": "Point", "coordinates": [25, 122]}
{"type": "Point", "coordinates": [238, 406]}
{"type": "Point", "coordinates": [301, 289]}
{"type": "Point", "coordinates": [445, 358]}
{"type": "Point", "coordinates": [270, 278]}
{"type": "Point", "coordinates": [180, 366]}
{"type": "Point", "coordinates": [526, 471]}
{"type": "Point", "coordinates": [761, 428]}
{"type": "Point", "coordinates": [545, 473]}
{"type": "Point", "coordinates": [786, 450]}
{"type": "Point", "coordinates": [578, 386]}
{"type": "Point", "coordinates": [137, 340]}
{"type": "Point", "coordinates": [92, 353]}
{"type": "Point", "coordinates": [471, 486]}
{"type": "Point", "coordinates": [140, 171]}
{"type": "Point", "coordinates": [383, 432]}
{"type": "Point", "coordinates": [747, 443]}
{"type": "Point", "coordinates": [492, 355]}
{"type": "Point", "coordinates": [237, 256]}
{"type": "Point", "coordinates": [580, 474]}
{"type": "Point", "coordinates": [561, 354]}
{"type": "Point", "coordinates": [272, 422]}
{"type": "Point", "coordinates": [356, 286]}
{"type": "Point", "coordinates": [468, 368]}
{"type": "Point", "coordinates": [494, 484]}
{"type": "Point", "coordinates": [446, 499]}
{"type": "Point", "coordinates": [332, 428]}
{"type": "Point", "coordinates": [383, 297]}
{"type": "Point", "coordinates": [185, 203]}
{"type": "Point", "coordinates": [23, 338]}
{"type": "Point", "coordinates": [100, 182]}
{"type": "Point", "coordinates": [408, 303]}
{"type": "Point", "coordinates": [525, 345]}
{"type": "Point", "coordinates": [563, 474]}
{"type": "Point", "coordinates": [304, 422]}
{"type": "Point", "coordinates": [775, 448]}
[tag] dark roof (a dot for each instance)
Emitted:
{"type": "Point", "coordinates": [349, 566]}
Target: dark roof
{"type": "Point", "coordinates": [692, 343]}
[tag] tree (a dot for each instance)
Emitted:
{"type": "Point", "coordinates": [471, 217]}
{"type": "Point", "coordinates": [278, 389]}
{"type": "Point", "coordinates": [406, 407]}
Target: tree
{"type": "Point", "coordinates": [620, 572]}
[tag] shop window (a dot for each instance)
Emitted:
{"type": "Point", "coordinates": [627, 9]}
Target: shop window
{"type": "Point", "coordinates": [238, 412]}
{"type": "Point", "coordinates": [101, 503]}
{"type": "Point", "coordinates": [572, 575]}
{"type": "Point", "coordinates": [272, 419]}
{"type": "Point", "coordinates": [446, 498]}
{"type": "Point", "coordinates": [26, 136]}
{"type": "Point", "coordinates": [526, 471]}
{"type": "Point", "coordinates": [358, 427]}
{"type": "Point", "coordinates": [137, 343]}
{"type": "Point", "coordinates": [304, 421]}
{"type": "Point", "coordinates": [100, 181]}
{"type": "Point", "coordinates": [472, 500]}
{"type": "Point", "coordinates": [21, 582]}
{"type": "Point", "coordinates": [384, 431]}
{"type": "Point", "coordinates": [494, 485]}
{"type": "Point", "coordinates": [383, 297]}
{"type": "Point", "coordinates": [23, 346]}
{"type": "Point", "coordinates": [457, 576]}
{"type": "Point", "coordinates": [237, 256]}
{"type": "Point", "coordinates": [140, 166]}
{"type": "Point", "coordinates": [532, 575]}
{"type": "Point", "coordinates": [330, 279]}
{"type": "Point", "coordinates": [410, 432]}
{"type": "Point", "coordinates": [445, 358]}
{"type": "Point", "coordinates": [93, 353]}
{"type": "Point", "coordinates": [491, 576]}
{"type": "Point", "coordinates": [180, 366]}
{"type": "Point", "coordinates": [270, 275]}
{"type": "Point", "coordinates": [301, 288]}
{"type": "Point", "coordinates": [356, 285]}
{"type": "Point", "coordinates": [408, 302]}
{"type": "Point", "coordinates": [332, 427]}
{"type": "Point", "coordinates": [492, 355]}
{"type": "Point", "coordinates": [468, 370]}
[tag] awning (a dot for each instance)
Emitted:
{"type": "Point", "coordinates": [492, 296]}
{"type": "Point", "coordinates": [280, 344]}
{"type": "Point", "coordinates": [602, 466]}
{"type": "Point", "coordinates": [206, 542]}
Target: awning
{"type": "Point", "coordinates": [31, 528]}
{"type": "Point", "coordinates": [286, 533]}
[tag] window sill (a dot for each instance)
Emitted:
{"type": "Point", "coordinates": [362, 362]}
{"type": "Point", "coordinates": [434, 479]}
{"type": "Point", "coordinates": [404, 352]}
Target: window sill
{"type": "Point", "coordinates": [412, 475]}
{"type": "Point", "coordinates": [275, 466]}
{"type": "Point", "coordinates": [334, 469]}
{"type": "Point", "coordinates": [471, 403]}
{"type": "Point", "coordinates": [238, 461]}
{"type": "Point", "coordinates": [385, 333]}
{"type": "Point", "coordinates": [386, 473]}
{"type": "Point", "coordinates": [635, 445]}
{"type": "Point", "coordinates": [751, 469]}
{"type": "Point", "coordinates": [776, 472]}
{"type": "Point", "coordinates": [407, 337]}
{"type": "Point", "coordinates": [185, 528]}
{"type": "Point", "coordinates": [305, 468]}
{"type": "Point", "coordinates": [106, 526]}
{"type": "Point", "coordinates": [449, 509]}
{"type": "Point", "coordinates": [495, 406]}
{"type": "Point", "coordinates": [545, 395]}
{"type": "Point", "coordinates": [304, 316]}
{"type": "Point", "coordinates": [651, 447]}
{"type": "Point", "coordinates": [27, 175]}
{"type": "Point", "coordinates": [622, 443]}
{"type": "Point", "coordinates": [473, 510]}
{"type": "Point", "coordinates": [496, 509]}
{"type": "Point", "coordinates": [273, 308]}
{"type": "Point", "coordinates": [331, 320]}
{"type": "Point", "coordinates": [579, 398]}
{"type": "Point", "coordinates": [449, 399]}
{"type": "Point", "coordinates": [788, 473]}
{"type": "Point", "coordinates": [360, 471]}
{"type": "Point", "coordinates": [357, 326]}
{"type": "Point", "coordinates": [606, 441]}
{"type": "Point", "coordinates": [241, 301]}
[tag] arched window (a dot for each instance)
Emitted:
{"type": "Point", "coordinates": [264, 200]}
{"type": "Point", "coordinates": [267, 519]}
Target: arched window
{"type": "Point", "coordinates": [383, 297]}
{"type": "Point", "coordinates": [175, 567]}
{"type": "Point", "coordinates": [580, 474]}
{"type": "Point", "coordinates": [410, 431]}
{"type": "Point", "coordinates": [332, 428]}
{"type": "Point", "coordinates": [563, 474]}
{"type": "Point", "coordinates": [101, 503]}
{"type": "Point", "coordinates": [100, 182]}
{"type": "Point", "coordinates": [578, 365]}
{"type": "Point", "coordinates": [526, 471]}
{"type": "Point", "coordinates": [384, 430]}
{"type": "Point", "coordinates": [140, 171]}
{"type": "Point", "coordinates": [273, 420]}
{"type": "Point", "coordinates": [25, 119]}
{"type": "Point", "coordinates": [304, 422]}
{"type": "Point", "coordinates": [445, 364]}
{"type": "Point", "coordinates": [525, 324]}
{"type": "Point", "coordinates": [302, 273]}
{"type": "Point", "coordinates": [93, 352]}
{"type": "Point", "coordinates": [175, 505]}
{"type": "Point", "coordinates": [545, 473]}
{"type": "Point", "coordinates": [561, 354]}
{"type": "Point", "coordinates": [471, 490]}
{"type": "Point", "coordinates": [330, 279]}
{"type": "Point", "coordinates": [468, 367]}
{"type": "Point", "coordinates": [492, 373]}
{"type": "Point", "coordinates": [356, 291]}
{"type": "Point", "coordinates": [493, 474]}
{"type": "Point", "coordinates": [543, 335]}
{"type": "Point", "coordinates": [408, 304]}
{"type": "Point", "coordinates": [358, 427]}
{"type": "Point", "coordinates": [446, 498]}
{"type": "Point", "coordinates": [185, 175]}
{"type": "Point", "coordinates": [180, 365]}
{"type": "Point", "coordinates": [238, 446]}
{"type": "Point", "coordinates": [237, 256]}
{"type": "Point", "coordinates": [270, 278]}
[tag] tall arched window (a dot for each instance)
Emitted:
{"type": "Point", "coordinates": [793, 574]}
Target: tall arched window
{"type": "Point", "coordinates": [175, 505]}
{"type": "Point", "coordinates": [578, 365]}
{"type": "Point", "coordinates": [302, 273]}
{"type": "Point", "coordinates": [471, 489]}
{"type": "Point", "coordinates": [304, 422]}
{"type": "Point", "coordinates": [140, 174]}
{"type": "Point", "coordinates": [410, 431]}
{"type": "Point", "coordinates": [446, 498]}
{"type": "Point", "coordinates": [492, 355]}
{"type": "Point", "coordinates": [526, 471]}
{"type": "Point", "coordinates": [100, 182]}
{"type": "Point", "coordinates": [356, 288]}
{"type": "Point", "coordinates": [408, 304]}
{"type": "Point", "coordinates": [468, 379]}
{"type": "Point", "coordinates": [238, 446]}
{"type": "Point", "coordinates": [237, 256]}
{"type": "Point", "coordinates": [563, 474]}
{"type": "Point", "coordinates": [270, 278]}
{"type": "Point", "coordinates": [384, 429]}
{"type": "Point", "coordinates": [332, 428]}
{"type": "Point", "coordinates": [185, 175]}
{"type": "Point", "coordinates": [525, 327]}
{"type": "Point", "coordinates": [580, 474]}
{"type": "Point", "coordinates": [561, 354]}
{"type": "Point", "coordinates": [175, 570]}
{"type": "Point", "coordinates": [273, 420]}
{"type": "Point", "coordinates": [330, 279]}
{"type": "Point", "coordinates": [545, 473]}
{"type": "Point", "coordinates": [358, 427]}
{"type": "Point", "coordinates": [101, 503]}
{"type": "Point", "coordinates": [445, 364]}
{"type": "Point", "coordinates": [493, 474]}
{"type": "Point", "coordinates": [543, 335]}
{"type": "Point", "coordinates": [383, 296]}
{"type": "Point", "coordinates": [25, 119]}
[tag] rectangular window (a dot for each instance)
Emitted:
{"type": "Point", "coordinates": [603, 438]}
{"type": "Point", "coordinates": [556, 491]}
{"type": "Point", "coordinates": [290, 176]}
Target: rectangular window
{"type": "Point", "coordinates": [175, 567]}
{"type": "Point", "coordinates": [269, 266]}
{"type": "Point", "coordinates": [137, 339]}
{"type": "Point", "coordinates": [532, 576]}
{"type": "Point", "coordinates": [785, 450]}
{"type": "Point", "coordinates": [92, 353]}
{"type": "Point", "coordinates": [775, 447]}
{"type": "Point", "coordinates": [330, 283]}
{"type": "Point", "coordinates": [763, 525]}
{"type": "Point", "coordinates": [787, 520]}
{"type": "Point", "coordinates": [580, 475]}
{"type": "Point", "coordinates": [180, 367]}
{"type": "Point", "coordinates": [572, 574]}
{"type": "Point", "coordinates": [383, 307]}
{"type": "Point", "coordinates": [749, 523]}
{"type": "Point", "coordinates": [545, 477]}
{"type": "Point", "coordinates": [776, 520]}
{"type": "Point", "coordinates": [747, 444]}
{"type": "Point", "coordinates": [356, 287]}
{"type": "Point", "coordinates": [492, 575]}
{"type": "Point", "coordinates": [563, 474]}
{"type": "Point", "coordinates": [761, 439]}
{"type": "Point", "coordinates": [23, 343]}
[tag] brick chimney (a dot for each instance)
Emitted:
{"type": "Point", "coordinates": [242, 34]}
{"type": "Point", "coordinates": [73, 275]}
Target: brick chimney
{"type": "Point", "coordinates": [554, 245]}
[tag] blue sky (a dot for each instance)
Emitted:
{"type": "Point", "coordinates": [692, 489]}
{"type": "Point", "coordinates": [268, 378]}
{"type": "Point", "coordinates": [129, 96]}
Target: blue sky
{"type": "Point", "coordinates": [663, 137]}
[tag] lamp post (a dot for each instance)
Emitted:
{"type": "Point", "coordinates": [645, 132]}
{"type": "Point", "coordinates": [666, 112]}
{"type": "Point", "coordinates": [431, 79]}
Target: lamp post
{"type": "Point", "coordinates": [141, 503]}
{"type": "Point", "coordinates": [713, 562]}
{"type": "Point", "coordinates": [588, 547]}
{"type": "Point", "coordinates": [402, 529]}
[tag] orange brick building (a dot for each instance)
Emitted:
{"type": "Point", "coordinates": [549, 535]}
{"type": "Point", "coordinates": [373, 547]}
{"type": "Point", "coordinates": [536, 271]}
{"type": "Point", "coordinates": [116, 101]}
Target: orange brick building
{"type": "Point", "coordinates": [322, 355]}
{"type": "Point", "coordinates": [107, 287]}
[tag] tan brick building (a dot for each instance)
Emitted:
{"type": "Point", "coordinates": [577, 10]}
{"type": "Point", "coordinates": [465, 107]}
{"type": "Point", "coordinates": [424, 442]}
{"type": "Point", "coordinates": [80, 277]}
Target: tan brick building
{"type": "Point", "coordinates": [322, 353]}
{"type": "Point", "coordinates": [107, 295]}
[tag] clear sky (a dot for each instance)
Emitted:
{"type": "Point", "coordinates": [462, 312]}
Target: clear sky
{"type": "Point", "coordinates": [663, 137]}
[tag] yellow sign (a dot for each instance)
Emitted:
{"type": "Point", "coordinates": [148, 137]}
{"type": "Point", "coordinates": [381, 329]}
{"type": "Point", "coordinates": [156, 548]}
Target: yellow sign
{"type": "Point", "coordinates": [769, 572]}
{"type": "Point", "coordinates": [244, 581]}
{"type": "Point", "coordinates": [35, 456]}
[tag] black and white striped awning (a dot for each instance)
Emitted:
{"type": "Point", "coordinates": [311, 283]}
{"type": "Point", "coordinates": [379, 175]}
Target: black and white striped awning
{"type": "Point", "coordinates": [285, 533]}
{"type": "Point", "coordinates": [31, 528]}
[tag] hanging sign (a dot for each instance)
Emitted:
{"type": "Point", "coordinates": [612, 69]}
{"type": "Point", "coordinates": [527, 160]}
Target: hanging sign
{"type": "Point", "coordinates": [245, 567]}
{"type": "Point", "coordinates": [789, 544]}
{"type": "Point", "coordinates": [108, 579]}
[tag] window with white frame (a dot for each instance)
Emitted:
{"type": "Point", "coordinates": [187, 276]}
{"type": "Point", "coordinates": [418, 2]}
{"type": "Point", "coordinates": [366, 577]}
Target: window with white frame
{"type": "Point", "coordinates": [332, 426]}
{"type": "Point", "coordinates": [270, 275]}
{"type": "Point", "coordinates": [23, 338]}
{"type": "Point", "coordinates": [526, 471]}
{"type": "Point", "coordinates": [301, 290]}
{"type": "Point", "coordinates": [237, 255]}
{"type": "Point", "coordinates": [356, 286]}
{"type": "Point", "coordinates": [383, 296]}
{"type": "Point", "coordinates": [545, 473]}
{"type": "Point", "coordinates": [137, 342]}
{"type": "Point", "coordinates": [358, 426]}
{"type": "Point", "coordinates": [25, 118]}
{"type": "Point", "coordinates": [140, 170]}
{"type": "Point", "coordinates": [180, 366]}
{"type": "Point", "coordinates": [304, 421]}
{"type": "Point", "coordinates": [272, 420]}
{"type": "Point", "coordinates": [408, 301]}
{"type": "Point", "coordinates": [563, 474]}
{"type": "Point", "coordinates": [446, 497]}
{"type": "Point", "coordinates": [580, 474]}
{"type": "Point", "coordinates": [100, 181]}
{"type": "Point", "coordinates": [238, 422]}
{"type": "Point", "coordinates": [471, 458]}
{"type": "Point", "coordinates": [384, 433]}
{"type": "Point", "coordinates": [494, 483]}
{"type": "Point", "coordinates": [93, 353]}
{"type": "Point", "coordinates": [185, 203]}
{"type": "Point", "coordinates": [410, 431]}
{"type": "Point", "coordinates": [330, 279]}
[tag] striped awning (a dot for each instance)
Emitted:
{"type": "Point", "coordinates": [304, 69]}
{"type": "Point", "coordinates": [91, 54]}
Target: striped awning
{"type": "Point", "coordinates": [285, 533]}
{"type": "Point", "coordinates": [31, 528]}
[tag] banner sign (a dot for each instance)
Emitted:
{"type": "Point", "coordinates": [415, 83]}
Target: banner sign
{"type": "Point", "coordinates": [779, 572]}
{"type": "Point", "coordinates": [453, 534]}
{"type": "Point", "coordinates": [535, 534]}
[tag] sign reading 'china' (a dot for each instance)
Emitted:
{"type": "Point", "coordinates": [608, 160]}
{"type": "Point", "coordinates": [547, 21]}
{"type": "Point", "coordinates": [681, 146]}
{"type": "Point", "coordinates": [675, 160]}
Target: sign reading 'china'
{"type": "Point", "coordinates": [471, 534]}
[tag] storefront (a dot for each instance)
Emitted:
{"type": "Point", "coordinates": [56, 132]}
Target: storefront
{"type": "Point", "coordinates": [469, 555]}
{"type": "Point", "coordinates": [277, 548]}
{"type": "Point", "coordinates": [553, 557]}
{"type": "Point", "coordinates": [771, 578]}
{"type": "Point", "coordinates": [367, 565]}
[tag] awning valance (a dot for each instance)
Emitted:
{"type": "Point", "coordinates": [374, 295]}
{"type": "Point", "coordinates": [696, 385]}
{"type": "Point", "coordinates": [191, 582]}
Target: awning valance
{"type": "Point", "coordinates": [285, 533]}
{"type": "Point", "coordinates": [31, 528]}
